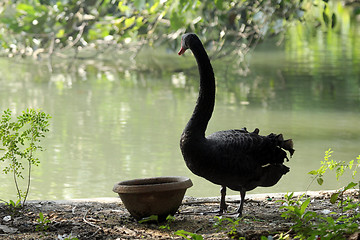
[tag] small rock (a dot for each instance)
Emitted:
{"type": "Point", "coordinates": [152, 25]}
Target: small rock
{"type": "Point", "coordinates": [9, 230]}
{"type": "Point", "coordinates": [354, 236]}
{"type": "Point", "coordinates": [64, 236]}
{"type": "Point", "coordinates": [7, 218]}
{"type": "Point", "coordinates": [325, 211]}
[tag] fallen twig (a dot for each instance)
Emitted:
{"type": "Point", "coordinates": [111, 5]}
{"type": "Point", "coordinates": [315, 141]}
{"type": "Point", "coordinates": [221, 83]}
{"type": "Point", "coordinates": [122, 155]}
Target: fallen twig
{"type": "Point", "coordinates": [91, 224]}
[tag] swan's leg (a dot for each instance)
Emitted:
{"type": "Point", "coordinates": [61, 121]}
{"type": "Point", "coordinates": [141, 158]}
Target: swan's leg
{"type": "Point", "coordinates": [238, 213]}
{"type": "Point", "coordinates": [242, 199]}
{"type": "Point", "coordinates": [223, 206]}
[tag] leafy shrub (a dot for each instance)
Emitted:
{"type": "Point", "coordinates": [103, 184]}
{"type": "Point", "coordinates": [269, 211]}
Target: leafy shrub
{"type": "Point", "coordinates": [311, 225]}
{"type": "Point", "coordinates": [20, 139]}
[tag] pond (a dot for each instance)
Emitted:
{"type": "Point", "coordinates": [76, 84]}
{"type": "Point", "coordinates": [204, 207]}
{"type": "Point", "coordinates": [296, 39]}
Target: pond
{"type": "Point", "coordinates": [112, 123]}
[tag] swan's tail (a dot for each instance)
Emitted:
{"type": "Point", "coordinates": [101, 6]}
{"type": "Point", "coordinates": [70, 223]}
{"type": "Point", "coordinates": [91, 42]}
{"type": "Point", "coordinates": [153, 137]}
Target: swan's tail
{"type": "Point", "coordinates": [278, 138]}
{"type": "Point", "coordinates": [288, 145]}
{"type": "Point", "coordinates": [284, 144]}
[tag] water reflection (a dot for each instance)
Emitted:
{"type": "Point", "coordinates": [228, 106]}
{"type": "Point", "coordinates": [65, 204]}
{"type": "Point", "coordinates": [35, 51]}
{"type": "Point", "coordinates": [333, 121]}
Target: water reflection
{"type": "Point", "coordinates": [111, 124]}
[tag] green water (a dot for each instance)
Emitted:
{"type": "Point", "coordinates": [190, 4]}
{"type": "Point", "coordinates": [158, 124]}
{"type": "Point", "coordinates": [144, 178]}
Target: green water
{"type": "Point", "coordinates": [113, 123]}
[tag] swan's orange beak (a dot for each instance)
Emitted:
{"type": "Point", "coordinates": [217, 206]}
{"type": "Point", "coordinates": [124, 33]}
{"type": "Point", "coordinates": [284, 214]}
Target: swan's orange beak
{"type": "Point", "coordinates": [182, 50]}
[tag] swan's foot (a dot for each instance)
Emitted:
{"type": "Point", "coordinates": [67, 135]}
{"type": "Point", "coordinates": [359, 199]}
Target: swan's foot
{"type": "Point", "coordinates": [236, 214]}
{"type": "Point", "coordinates": [220, 212]}
{"type": "Point", "coordinates": [217, 213]}
{"type": "Point", "coordinates": [223, 214]}
{"type": "Point", "coordinates": [232, 215]}
{"type": "Point", "coordinates": [223, 205]}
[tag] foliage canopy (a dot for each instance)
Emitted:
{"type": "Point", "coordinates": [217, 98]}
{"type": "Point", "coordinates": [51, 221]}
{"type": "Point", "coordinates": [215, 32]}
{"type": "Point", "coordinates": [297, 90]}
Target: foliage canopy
{"type": "Point", "coordinates": [47, 27]}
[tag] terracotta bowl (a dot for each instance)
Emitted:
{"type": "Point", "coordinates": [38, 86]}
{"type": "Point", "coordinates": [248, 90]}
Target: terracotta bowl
{"type": "Point", "coordinates": [159, 196]}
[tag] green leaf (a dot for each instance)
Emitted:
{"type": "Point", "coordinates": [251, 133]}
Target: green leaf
{"type": "Point", "coordinates": [129, 21]}
{"type": "Point", "coordinates": [153, 8]}
{"type": "Point", "coordinates": [333, 20]}
{"type": "Point", "coordinates": [41, 217]}
{"type": "Point", "coordinates": [334, 197]}
{"type": "Point", "coordinates": [176, 20]}
{"type": "Point", "coordinates": [325, 18]}
{"type": "Point", "coordinates": [350, 185]}
{"type": "Point", "coordinates": [152, 218]}
{"type": "Point", "coordinates": [139, 4]}
{"type": "Point", "coordinates": [330, 220]}
{"type": "Point", "coordinates": [350, 164]}
{"type": "Point", "coordinates": [60, 33]}
{"type": "Point", "coordinates": [26, 9]}
{"type": "Point", "coordinates": [304, 205]}
{"type": "Point", "coordinates": [122, 6]}
{"type": "Point", "coordinates": [185, 234]}
{"type": "Point", "coordinates": [290, 208]}
{"type": "Point", "coordinates": [219, 4]}
{"type": "Point", "coordinates": [313, 172]}
{"type": "Point", "coordinates": [320, 181]}
{"type": "Point", "coordinates": [291, 195]}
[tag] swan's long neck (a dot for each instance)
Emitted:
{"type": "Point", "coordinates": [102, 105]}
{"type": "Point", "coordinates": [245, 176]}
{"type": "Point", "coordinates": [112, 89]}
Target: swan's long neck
{"type": "Point", "coordinates": [205, 103]}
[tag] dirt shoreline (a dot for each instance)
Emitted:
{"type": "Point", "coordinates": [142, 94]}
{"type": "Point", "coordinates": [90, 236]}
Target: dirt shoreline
{"type": "Point", "coordinates": [107, 218]}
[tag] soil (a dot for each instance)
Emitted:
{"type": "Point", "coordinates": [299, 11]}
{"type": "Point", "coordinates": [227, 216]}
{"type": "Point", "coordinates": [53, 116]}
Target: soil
{"type": "Point", "coordinates": [100, 219]}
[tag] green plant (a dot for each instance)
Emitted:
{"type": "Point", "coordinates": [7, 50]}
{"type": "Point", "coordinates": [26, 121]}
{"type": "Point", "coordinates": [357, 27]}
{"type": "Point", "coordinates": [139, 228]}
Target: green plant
{"type": "Point", "coordinates": [13, 204]}
{"type": "Point", "coordinates": [282, 236]}
{"type": "Point", "coordinates": [13, 207]}
{"type": "Point", "coordinates": [20, 139]}
{"type": "Point", "coordinates": [42, 223]}
{"type": "Point", "coordinates": [152, 218]}
{"type": "Point", "coordinates": [169, 220]}
{"type": "Point", "coordinates": [339, 167]}
{"type": "Point", "coordinates": [155, 218]}
{"type": "Point", "coordinates": [338, 195]}
{"type": "Point", "coordinates": [297, 211]}
{"type": "Point", "coordinates": [229, 225]}
{"type": "Point", "coordinates": [309, 224]}
{"type": "Point", "coordinates": [188, 235]}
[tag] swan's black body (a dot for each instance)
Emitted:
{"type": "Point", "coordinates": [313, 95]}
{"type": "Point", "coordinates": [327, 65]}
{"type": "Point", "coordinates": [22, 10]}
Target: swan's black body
{"type": "Point", "coordinates": [237, 159]}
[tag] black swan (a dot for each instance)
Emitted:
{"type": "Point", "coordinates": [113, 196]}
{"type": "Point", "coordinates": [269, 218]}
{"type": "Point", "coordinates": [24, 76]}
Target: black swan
{"type": "Point", "coordinates": [237, 159]}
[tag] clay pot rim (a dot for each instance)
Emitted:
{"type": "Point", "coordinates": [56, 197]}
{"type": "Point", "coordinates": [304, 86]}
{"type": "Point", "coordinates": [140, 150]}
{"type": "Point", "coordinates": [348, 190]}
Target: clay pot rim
{"type": "Point", "coordinates": [155, 184]}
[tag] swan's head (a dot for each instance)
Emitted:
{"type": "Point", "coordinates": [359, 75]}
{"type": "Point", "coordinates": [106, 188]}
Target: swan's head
{"type": "Point", "coordinates": [185, 42]}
